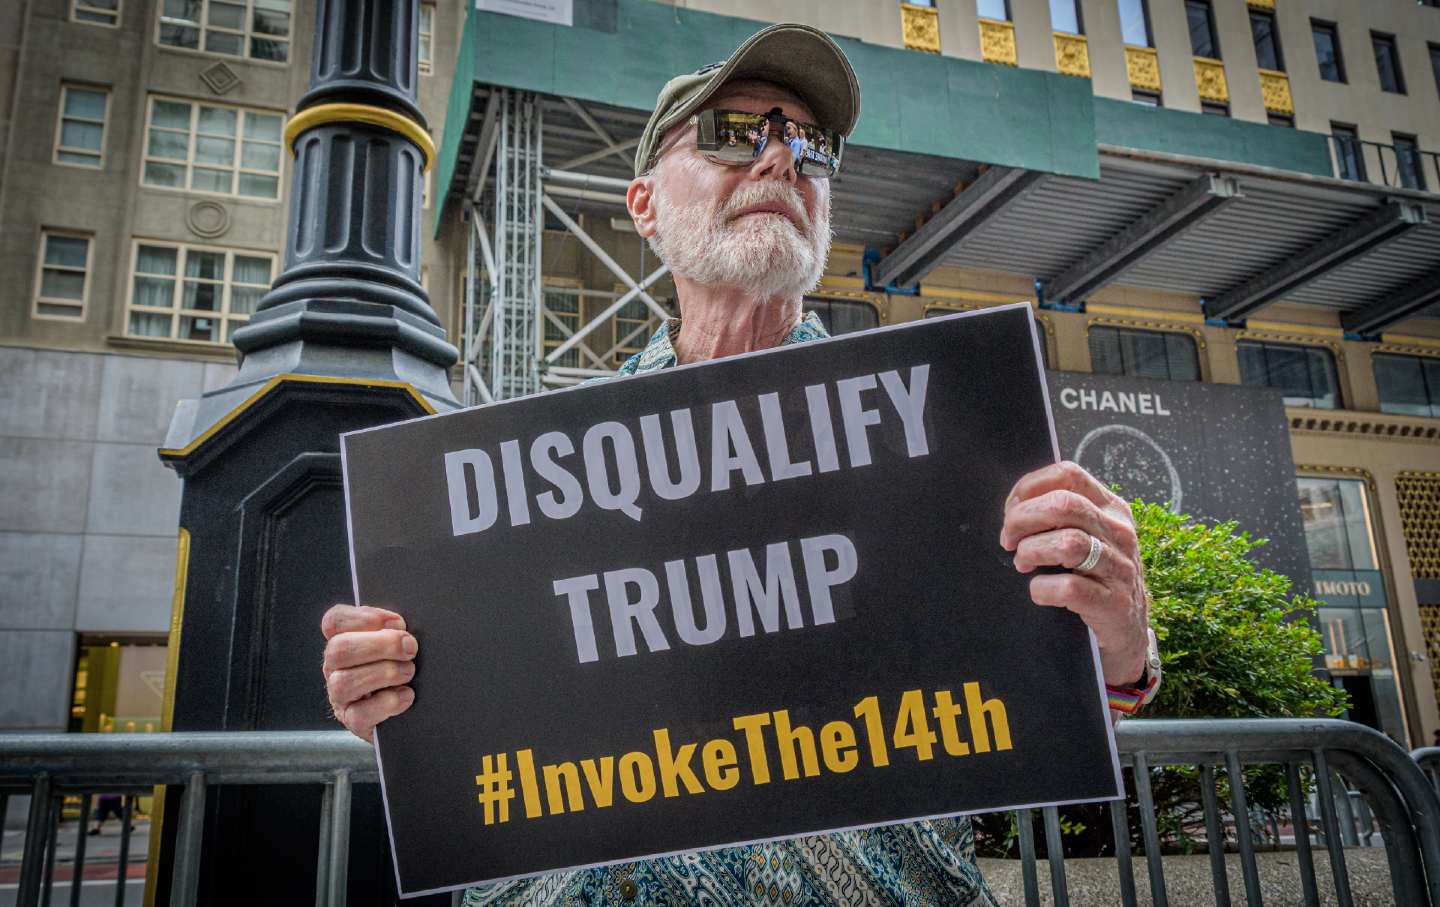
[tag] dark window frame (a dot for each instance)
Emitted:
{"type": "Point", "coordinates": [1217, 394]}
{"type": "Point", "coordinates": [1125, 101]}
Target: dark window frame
{"type": "Point", "coordinates": [1215, 108]}
{"type": "Point", "coordinates": [1267, 346]}
{"type": "Point", "coordinates": [1214, 33]}
{"type": "Point", "coordinates": [1274, 39]}
{"type": "Point", "coordinates": [1435, 61]}
{"type": "Point", "coordinates": [1377, 40]}
{"type": "Point", "coordinates": [1343, 135]}
{"type": "Point", "coordinates": [1121, 332]}
{"type": "Point", "coordinates": [1147, 98]}
{"type": "Point", "coordinates": [1009, 13]}
{"type": "Point", "coordinates": [1321, 25]}
{"type": "Point", "coordinates": [1079, 19]}
{"type": "Point", "coordinates": [1401, 141]}
{"type": "Point", "coordinates": [819, 300]}
{"type": "Point", "coordinates": [1144, 19]}
{"type": "Point", "coordinates": [1429, 367]}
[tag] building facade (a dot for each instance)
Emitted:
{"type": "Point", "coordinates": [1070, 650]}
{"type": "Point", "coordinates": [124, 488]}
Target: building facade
{"type": "Point", "coordinates": [1151, 168]}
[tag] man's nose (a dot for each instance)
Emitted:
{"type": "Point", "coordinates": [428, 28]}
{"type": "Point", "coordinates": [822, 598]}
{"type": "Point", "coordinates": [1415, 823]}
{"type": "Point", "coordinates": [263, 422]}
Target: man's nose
{"type": "Point", "coordinates": [775, 162]}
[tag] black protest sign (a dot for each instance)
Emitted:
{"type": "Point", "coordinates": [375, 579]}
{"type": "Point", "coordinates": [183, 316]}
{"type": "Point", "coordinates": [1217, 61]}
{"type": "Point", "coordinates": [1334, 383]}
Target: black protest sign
{"type": "Point", "coordinates": [735, 601]}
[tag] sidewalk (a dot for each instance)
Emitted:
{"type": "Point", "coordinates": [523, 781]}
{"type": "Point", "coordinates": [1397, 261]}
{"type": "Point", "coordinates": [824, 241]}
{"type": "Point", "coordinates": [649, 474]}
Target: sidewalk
{"type": "Point", "coordinates": [101, 852]}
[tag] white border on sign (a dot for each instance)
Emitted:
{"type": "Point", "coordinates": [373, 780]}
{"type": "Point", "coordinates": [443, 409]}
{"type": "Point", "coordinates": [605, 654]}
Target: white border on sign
{"type": "Point", "coordinates": [1094, 643]}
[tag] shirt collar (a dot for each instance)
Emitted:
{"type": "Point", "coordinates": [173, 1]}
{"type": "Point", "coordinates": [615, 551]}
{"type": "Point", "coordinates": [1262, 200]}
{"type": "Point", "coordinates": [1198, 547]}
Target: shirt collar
{"type": "Point", "coordinates": [659, 352]}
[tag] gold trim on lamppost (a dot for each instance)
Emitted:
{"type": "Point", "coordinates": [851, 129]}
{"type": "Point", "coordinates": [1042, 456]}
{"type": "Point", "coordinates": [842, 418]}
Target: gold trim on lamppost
{"type": "Point", "coordinates": [360, 113]}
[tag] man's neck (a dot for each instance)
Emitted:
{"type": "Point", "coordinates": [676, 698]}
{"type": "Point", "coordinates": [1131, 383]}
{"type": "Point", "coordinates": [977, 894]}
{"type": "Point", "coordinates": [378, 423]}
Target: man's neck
{"type": "Point", "coordinates": [723, 321]}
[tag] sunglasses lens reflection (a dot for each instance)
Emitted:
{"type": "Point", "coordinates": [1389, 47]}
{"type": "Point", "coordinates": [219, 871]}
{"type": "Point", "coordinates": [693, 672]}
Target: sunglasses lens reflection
{"type": "Point", "coordinates": [737, 137]}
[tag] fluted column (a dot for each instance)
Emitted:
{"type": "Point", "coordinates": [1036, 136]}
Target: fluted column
{"type": "Point", "coordinates": [352, 256]}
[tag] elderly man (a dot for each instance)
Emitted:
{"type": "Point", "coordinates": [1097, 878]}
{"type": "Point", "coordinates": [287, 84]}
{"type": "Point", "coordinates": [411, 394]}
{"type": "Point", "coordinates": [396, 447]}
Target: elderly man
{"type": "Point", "coordinates": [746, 236]}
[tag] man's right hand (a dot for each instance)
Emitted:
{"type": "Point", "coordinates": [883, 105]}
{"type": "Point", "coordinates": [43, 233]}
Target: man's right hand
{"type": "Point", "coordinates": [368, 660]}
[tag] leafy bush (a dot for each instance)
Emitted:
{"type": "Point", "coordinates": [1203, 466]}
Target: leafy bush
{"type": "Point", "coordinates": [1235, 643]}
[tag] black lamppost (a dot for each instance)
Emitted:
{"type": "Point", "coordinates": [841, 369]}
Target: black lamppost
{"type": "Point", "coordinates": [344, 339]}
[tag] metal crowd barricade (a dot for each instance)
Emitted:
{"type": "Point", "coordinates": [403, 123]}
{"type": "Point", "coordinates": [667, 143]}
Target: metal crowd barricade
{"type": "Point", "coordinates": [1398, 793]}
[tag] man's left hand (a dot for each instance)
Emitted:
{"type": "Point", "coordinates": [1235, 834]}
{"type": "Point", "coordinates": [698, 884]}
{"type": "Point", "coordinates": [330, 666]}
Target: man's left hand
{"type": "Point", "coordinates": [1050, 517]}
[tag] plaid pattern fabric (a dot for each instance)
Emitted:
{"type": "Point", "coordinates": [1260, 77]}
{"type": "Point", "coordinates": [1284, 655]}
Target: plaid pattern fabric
{"type": "Point", "coordinates": [921, 863]}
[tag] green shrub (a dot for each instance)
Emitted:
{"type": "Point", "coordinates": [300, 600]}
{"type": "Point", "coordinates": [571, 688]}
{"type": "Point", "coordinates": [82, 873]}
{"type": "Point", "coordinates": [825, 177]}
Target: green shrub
{"type": "Point", "coordinates": [1235, 642]}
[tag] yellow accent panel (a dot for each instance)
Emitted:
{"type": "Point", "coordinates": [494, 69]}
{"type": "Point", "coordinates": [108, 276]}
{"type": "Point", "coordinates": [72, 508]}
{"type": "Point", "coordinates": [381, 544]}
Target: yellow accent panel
{"type": "Point", "coordinates": [177, 617]}
{"type": "Point", "coordinates": [275, 382]}
{"type": "Point", "coordinates": [1072, 55]}
{"type": "Point", "coordinates": [1149, 325]}
{"type": "Point", "coordinates": [845, 283]}
{"type": "Point", "coordinates": [360, 113]}
{"type": "Point", "coordinates": [1418, 494]}
{"type": "Point", "coordinates": [1210, 80]}
{"type": "Point", "coordinates": [1263, 4]}
{"type": "Point", "coordinates": [982, 297]}
{"type": "Point", "coordinates": [1125, 311]}
{"type": "Point", "coordinates": [920, 27]}
{"type": "Point", "coordinates": [1411, 340]}
{"type": "Point", "coordinates": [997, 42]}
{"type": "Point", "coordinates": [167, 706]}
{"type": "Point", "coordinates": [1284, 327]}
{"type": "Point", "coordinates": [1275, 89]}
{"type": "Point", "coordinates": [1143, 65]}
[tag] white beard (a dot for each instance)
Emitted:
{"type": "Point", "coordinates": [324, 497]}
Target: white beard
{"type": "Point", "coordinates": [764, 254]}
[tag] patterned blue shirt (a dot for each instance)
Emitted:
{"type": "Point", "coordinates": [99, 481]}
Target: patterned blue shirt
{"type": "Point", "coordinates": [921, 863]}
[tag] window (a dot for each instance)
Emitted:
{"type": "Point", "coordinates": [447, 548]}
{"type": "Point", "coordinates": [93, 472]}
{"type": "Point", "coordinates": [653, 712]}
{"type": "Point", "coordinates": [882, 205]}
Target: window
{"type": "Point", "coordinates": [842, 316]}
{"type": "Point", "coordinates": [1407, 162]}
{"type": "Point", "coordinates": [80, 133]}
{"type": "Point", "coordinates": [1327, 51]}
{"type": "Point", "coordinates": [1353, 613]}
{"type": "Point", "coordinates": [1148, 98]}
{"type": "Point", "coordinates": [194, 293]}
{"type": "Point", "coordinates": [1267, 41]}
{"type": "Point", "coordinates": [1143, 354]}
{"type": "Point", "coordinates": [1065, 17]}
{"type": "Point", "coordinates": [994, 9]}
{"type": "Point", "coordinates": [1387, 63]}
{"type": "Point", "coordinates": [1135, 22]}
{"type": "Point", "coordinates": [64, 272]}
{"type": "Point", "coordinates": [427, 38]}
{"type": "Point", "coordinates": [1203, 42]}
{"type": "Point", "coordinates": [212, 148]}
{"type": "Point", "coordinates": [95, 12]}
{"type": "Point", "coordinates": [258, 29]}
{"type": "Point", "coordinates": [1349, 153]}
{"type": "Point", "coordinates": [1282, 120]}
{"type": "Point", "coordinates": [1435, 63]}
{"type": "Point", "coordinates": [1337, 530]}
{"type": "Point", "coordinates": [1215, 108]}
{"type": "Point", "coordinates": [1408, 385]}
{"type": "Point", "coordinates": [1306, 374]}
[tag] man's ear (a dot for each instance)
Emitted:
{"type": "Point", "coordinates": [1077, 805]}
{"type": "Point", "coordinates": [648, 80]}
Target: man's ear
{"type": "Point", "coordinates": [640, 199]}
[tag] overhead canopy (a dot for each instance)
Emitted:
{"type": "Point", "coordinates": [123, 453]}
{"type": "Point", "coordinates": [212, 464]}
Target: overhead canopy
{"type": "Point", "coordinates": [994, 168]}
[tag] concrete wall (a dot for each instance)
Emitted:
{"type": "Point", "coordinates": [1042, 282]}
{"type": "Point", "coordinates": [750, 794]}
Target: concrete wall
{"type": "Point", "coordinates": [87, 530]}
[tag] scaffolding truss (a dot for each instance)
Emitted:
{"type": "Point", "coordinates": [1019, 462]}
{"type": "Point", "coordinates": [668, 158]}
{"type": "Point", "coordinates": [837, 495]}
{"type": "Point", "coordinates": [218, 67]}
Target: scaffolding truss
{"type": "Point", "coordinates": [520, 335]}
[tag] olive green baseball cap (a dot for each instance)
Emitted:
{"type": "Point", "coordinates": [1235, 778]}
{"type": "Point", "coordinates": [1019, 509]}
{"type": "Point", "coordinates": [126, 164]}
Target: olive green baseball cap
{"type": "Point", "coordinates": [802, 59]}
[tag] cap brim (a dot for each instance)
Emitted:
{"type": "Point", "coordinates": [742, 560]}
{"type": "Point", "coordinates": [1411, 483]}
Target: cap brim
{"type": "Point", "coordinates": [802, 59]}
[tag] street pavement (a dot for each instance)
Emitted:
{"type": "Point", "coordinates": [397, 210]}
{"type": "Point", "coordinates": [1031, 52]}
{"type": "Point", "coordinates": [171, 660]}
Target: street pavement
{"type": "Point", "coordinates": [98, 887]}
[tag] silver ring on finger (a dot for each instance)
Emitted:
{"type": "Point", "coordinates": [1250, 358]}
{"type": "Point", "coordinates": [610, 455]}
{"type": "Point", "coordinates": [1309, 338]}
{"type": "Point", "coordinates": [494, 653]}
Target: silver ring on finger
{"type": "Point", "coordinates": [1092, 558]}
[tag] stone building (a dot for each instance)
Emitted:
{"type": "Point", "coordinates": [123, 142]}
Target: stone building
{"type": "Point", "coordinates": [1189, 190]}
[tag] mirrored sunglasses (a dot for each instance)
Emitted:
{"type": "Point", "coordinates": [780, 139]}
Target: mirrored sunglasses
{"type": "Point", "coordinates": [737, 137]}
